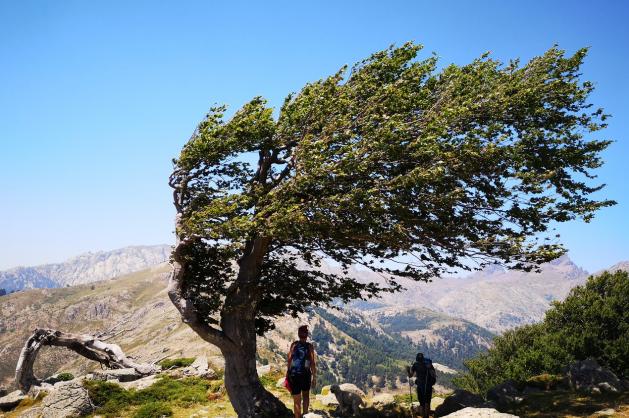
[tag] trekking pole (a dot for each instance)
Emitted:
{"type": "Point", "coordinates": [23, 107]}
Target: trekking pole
{"type": "Point", "coordinates": [410, 398]}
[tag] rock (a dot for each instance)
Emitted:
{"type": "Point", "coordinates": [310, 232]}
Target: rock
{"type": "Point", "coordinates": [265, 369]}
{"type": "Point", "coordinates": [606, 412]}
{"type": "Point", "coordinates": [435, 402]}
{"type": "Point", "coordinates": [458, 400]}
{"type": "Point", "coordinates": [327, 400]}
{"type": "Point", "coordinates": [139, 384]}
{"type": "Point", "coordinates": [350, 387]}
{"type": "Point", "coordinates": [471, 412]}
{"type": "Point", "coordinates": [505, 394]}
{"type": "Point", "coordinates": [68, 399]}
{"type": "Point", "coordinates": [589, 377]}
{"type": "Point", "coordinates": [36, 412]}
{"type": "Point", "coordinates": [314, 415]}
{"type": "Point", "coordinates": [120, 375]}
{"type": "Point", "coordinates": [382, 399]}
{"type": "Point", "coordinates": [10, 401]}
{"type": "Point", "coordinates": [199, 368]}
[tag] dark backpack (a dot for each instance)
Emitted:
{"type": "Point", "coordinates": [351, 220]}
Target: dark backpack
{"type": "Point", "coordinates": [425, 372]}
{"type": "Point", "coordinates": [300, 360]}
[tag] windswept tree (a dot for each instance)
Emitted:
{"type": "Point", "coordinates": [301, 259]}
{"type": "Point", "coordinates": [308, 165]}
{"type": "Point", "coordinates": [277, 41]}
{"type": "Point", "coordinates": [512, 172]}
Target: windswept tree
{"type": "Point", "coordinates": [406, 169]}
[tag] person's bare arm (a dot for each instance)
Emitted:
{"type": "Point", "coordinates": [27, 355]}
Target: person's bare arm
{"type": "Point", "coordinates": [313, 365]}
{"type": "Point", "coordinates": [290, 357]}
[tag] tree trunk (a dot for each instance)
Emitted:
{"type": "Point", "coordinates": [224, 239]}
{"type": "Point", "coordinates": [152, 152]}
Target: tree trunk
{"type": "Point", "coordinates": [109, 355]}
{"type": "Point", "coordinates": [247, 395]}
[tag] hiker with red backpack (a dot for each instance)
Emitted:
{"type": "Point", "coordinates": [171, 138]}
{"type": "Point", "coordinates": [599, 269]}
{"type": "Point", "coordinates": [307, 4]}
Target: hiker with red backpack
{"type": "Point", "coordinates": [425, 378]}
{"type": "Point", "coordinates": [302, 371]}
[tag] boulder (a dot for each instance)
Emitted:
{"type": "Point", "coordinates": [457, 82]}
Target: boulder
{"type": "Point", "coordinates": [471, 412]}
{"type": "Point", "coordinates": [505, 395]}
{"type": "Point", "coordinates": [67, 400]}
{"type": "Point", "coordinates": [315, 415]}
{"type": "Point", "coordinates": [199, 368]}
{"type": "Point", "coordinates": [10, 401]}
{"type": "Point", "coordinates": [458, 400]}
{"type": "Point", "coordinates": [350, 387]}
{"type": "Point", "coordinates": [262, 370]}
{"type": "Point", "coordinates": [435, 402]}
{"type": "Point", "coordinates": [606, 412]}
{"type": "Point", "coordinates": [589, 377]}
{"type": "Point", "coordinates": [36, 412]}
{"type": "Point", "coordinates": [327, 400]}
{"type": "Point", "coordinates": [139, 384]}
{"type": "Point", "coordinates": [382, 399]}
{"type": "Point", "coordinates": [120, 375]}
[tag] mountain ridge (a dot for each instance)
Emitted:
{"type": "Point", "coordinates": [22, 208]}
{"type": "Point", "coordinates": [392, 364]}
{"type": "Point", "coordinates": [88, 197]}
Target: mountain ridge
{"type": "Point", "coordinates": [84, 268]}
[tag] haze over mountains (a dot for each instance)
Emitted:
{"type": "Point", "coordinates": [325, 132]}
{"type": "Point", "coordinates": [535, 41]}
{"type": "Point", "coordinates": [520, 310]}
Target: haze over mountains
{"type": "Point", "coordinates": [85, 268]}
{"type": "Point", "coordinates": [450, 318]}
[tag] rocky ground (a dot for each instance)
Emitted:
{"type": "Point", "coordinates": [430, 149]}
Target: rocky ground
{"type": "Point", "coordinates": [194, 389]}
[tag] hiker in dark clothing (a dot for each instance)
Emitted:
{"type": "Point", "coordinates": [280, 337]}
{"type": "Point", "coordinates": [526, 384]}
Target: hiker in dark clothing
{"type": "Point", "coordinates": [302, 371]}
{"type": "Point", "coordinates": [425, 378]}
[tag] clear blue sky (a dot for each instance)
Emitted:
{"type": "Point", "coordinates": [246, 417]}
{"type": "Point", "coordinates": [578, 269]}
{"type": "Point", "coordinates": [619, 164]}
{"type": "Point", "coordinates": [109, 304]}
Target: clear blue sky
{"type": "Point", "coordinates": [97, 97]}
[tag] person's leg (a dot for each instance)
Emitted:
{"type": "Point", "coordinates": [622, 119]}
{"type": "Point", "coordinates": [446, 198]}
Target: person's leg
{"type": "Point", "coordinates": [297, 405]}
{"type": "Point", "coordinates": [306, 398]}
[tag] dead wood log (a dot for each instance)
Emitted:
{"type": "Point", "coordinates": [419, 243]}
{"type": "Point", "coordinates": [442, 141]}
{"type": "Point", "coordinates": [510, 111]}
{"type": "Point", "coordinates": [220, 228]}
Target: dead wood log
{"type": "Point", "coordinates": [109, 355]}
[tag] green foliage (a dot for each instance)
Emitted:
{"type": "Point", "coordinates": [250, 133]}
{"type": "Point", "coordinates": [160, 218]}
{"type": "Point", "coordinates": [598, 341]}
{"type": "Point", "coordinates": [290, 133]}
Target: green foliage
{"type": "Point", "coordinates": [176, 363]}
{"type": "Point", "coordinates": [394, 160]}
{"type": "Point", "coordinates": [153, 410]}
{"type": "Point", "coordinates": [593, 321]}
{"type": "Point", "coordinates": [64, 377]}
{"type": "Point", "coordinates": [111, 398]}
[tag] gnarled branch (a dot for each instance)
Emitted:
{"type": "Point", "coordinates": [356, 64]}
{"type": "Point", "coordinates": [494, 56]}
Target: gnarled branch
{"type": "Point", "coordinates": [109, 355]}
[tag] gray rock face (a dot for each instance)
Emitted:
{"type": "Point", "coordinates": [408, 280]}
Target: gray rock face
{"type": "Point", "coordinates": [10, 401]}
{"type": "Point", "coordinates": [505, 394]}
{"type": "Point", "coordinates": [199, 368]}
{"type": "Point", "coordinates": [458, 400]}
{"type": "Point", "coordinates": [589, 377]}
{"type": "Point", "coordinates": [121, 375]}
{"type": "Point", "coordinates": [68, 399]}
{"type": "Point", "coordinates": [470, 412]}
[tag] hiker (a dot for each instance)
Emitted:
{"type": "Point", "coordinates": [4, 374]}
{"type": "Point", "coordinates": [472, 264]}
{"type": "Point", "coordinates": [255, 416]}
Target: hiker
{"type": "Point", "coordinates": [302, 371]}
{"type": "Point", "coordinates": [425, 378]}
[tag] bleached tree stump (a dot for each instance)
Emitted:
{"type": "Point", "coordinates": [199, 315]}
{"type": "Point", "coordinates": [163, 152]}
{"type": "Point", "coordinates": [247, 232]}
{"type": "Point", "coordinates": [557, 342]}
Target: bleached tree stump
{"type": "Point", "coordinates": [109, 355]}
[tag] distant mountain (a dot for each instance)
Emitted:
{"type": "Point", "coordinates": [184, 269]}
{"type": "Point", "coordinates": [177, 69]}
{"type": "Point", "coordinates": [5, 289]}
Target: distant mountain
{"type": "Point", "coordinates": [495, 298]}
{"type": "Point", "coordinates": [366, 348]}
{"type": "Point", "coordinates": [623, 265]}
{"type": "Point", "coordinates": [85, 268]}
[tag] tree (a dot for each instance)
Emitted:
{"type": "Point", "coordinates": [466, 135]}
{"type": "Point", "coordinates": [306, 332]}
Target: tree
{"type": "Point", "coordinates": [593, 321]}
{"type": "Point", "coordinates": [408, 170]}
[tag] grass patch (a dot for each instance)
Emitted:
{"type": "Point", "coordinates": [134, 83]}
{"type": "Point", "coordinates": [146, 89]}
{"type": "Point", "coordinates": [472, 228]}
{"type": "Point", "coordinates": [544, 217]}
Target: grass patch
{"type": "Point", "coordinates": [176, 363]}
{"type": "Point", "coordinates": [64, 377]}
{"type": "Point", "coordinates": [270, 379]}
{"type": "Point", "coordinates": [111, 399]}
{"type": "Point", "coordinates": [153, 410]}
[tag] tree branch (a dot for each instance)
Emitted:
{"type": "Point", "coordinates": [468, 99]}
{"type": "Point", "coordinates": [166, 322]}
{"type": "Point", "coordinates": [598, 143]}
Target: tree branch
{"type": "Point", "coordinates": [110, 355]}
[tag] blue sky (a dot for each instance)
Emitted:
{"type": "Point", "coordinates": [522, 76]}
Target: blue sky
{"type": "Point", "coordinates": [97, 98]}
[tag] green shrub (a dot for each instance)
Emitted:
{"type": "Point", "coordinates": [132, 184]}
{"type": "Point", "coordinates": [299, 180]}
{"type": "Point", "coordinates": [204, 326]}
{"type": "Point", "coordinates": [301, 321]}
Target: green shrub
{"type": "Point", "coordinates": [64, 377]}
{"type": "Point", "coordinates": [216, 386]}
{"type": "Point", "coordinates": [545, 381]}
{"type": "Point", "coordinates": [153, 410]}
{"type": "Point", "coordinates": [175, 363]}
{"type": "Point", "coordinates": [111, 399]}
{"type": "Point", "coordinates": [591, 322]}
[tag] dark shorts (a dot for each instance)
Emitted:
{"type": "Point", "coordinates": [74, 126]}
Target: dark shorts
{"type": "Point", "coordinates": [299, 382]}
{"type": "Point", "coordinates": [424, 393]}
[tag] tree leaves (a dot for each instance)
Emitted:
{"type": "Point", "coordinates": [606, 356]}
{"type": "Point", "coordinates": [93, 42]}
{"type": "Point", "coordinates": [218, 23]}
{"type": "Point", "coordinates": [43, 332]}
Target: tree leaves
{"type": "Point", "coordinates": [400, 167]}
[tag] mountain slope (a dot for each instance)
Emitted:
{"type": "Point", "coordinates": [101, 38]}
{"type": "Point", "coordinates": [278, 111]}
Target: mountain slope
{"type": "Point", "coordinates": [135, 312]}
{"type": "Point", "coordinates": [85, 268]}
{"type": "Point", "coordinates": [495, 298]}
